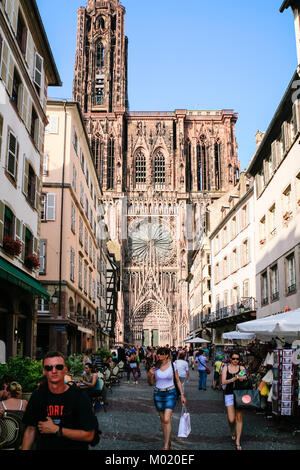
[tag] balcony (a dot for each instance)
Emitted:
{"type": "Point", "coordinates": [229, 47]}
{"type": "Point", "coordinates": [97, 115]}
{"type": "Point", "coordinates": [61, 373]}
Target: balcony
{"type": "Point", "coordinates": [237, 313]}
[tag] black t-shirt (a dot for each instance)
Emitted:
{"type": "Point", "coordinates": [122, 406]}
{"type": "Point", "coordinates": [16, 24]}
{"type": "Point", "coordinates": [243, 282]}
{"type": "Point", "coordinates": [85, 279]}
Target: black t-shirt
{"type": "Point", "coordinates": [72, 409]}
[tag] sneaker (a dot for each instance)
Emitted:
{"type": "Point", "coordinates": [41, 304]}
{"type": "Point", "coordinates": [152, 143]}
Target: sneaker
{"type": "Point", "coordinates": [127, 382]}
{"type": "Point", "coordinates": [136, 383]}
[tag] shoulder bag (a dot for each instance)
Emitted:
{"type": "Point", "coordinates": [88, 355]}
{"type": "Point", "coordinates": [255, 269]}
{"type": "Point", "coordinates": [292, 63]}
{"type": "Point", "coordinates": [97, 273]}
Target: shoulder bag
{"type": "Point", "coordinates": [206, 368]}
{"type": "Point", "coordinates": [175, 382]}
{"type": "Point", "coordinates": [247, 399]}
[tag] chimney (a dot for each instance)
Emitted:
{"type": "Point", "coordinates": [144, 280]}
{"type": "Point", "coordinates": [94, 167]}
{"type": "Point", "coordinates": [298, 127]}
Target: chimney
{"type": "Point", "coordinates": [259, 137]}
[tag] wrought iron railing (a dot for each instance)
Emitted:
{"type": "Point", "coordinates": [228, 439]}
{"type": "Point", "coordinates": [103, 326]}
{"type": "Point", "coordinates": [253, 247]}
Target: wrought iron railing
{"type": "Point", "coordinates": [246, 304]}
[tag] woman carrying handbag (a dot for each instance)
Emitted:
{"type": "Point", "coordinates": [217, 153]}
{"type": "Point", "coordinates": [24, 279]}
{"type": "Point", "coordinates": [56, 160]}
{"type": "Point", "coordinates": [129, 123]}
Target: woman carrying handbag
{"type": "Point", "coordinates": [164, 375]}
{"type": "Point", "coordinates": [235, 416]}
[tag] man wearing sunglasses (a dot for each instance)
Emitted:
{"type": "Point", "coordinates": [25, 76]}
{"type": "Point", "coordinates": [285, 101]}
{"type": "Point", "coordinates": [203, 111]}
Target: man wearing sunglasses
{"type": "Point", "coordinates": [58, 417]}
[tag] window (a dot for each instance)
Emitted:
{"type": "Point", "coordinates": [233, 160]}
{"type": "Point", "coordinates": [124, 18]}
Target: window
{"type": "Point", "coordinates": [110, 163]}
{"type": "Point", "coordinates": [233, 228]}
{"type": "Point", "coordinates": [140, 168]}
{"type": "Point", "coordinates": [34, 129]}
{"type": "Point", "coordinates": [80, 272]}
{"type": "Point", "coordinates": [290, 273]}
{"type": "Point", "coordinates": [21, 33]}
{"type": "Point", "coordinates": [73, 217]}
{"type": "Point", "coordinates": [274, 284]}
{"type": "Point", "coordinates": [217, 166]}
{"type": "Point", "coordinates": [262, 230]}
{"type": "Point", "coordinates": [46, 164]}
{"type": "Point", "coordinates": [234, 260]}
{"type": "Point", "coordinates": [31, 188]}
{"type": "Point", "coordinates": [8, 228]}
{"type": "Point", "coordinates": [245, 252]}
{"type": "Point", "coordinates": [12, 155]}
{"type": "Point", "coordinates": [42, 261]}
{"type": "Point", "coordinates": [100, 54]}
{"type": "Point", "coordinates": [48, 207]}
{"type": "Point", "coordinates": [245, 215]}
{"type": "Point", "coordinates": [159, 169]}
{"type": "Point", "coordinates": [38, 73]}
{"type": "Point", "coordinates": [28, 242]}
{"type": "Point", "coordinates": [287, 203]}
{"type": "Point", "coordinates": [17, 95]}
{"type": "Point", "coordinates": [85, 278]}
{"type": "Point", "coordinates": [80, 231]}
{"type": "Point", "coordinates": [75, 141]}
{"type": "Point", "coordinates": [264, 289]}
{"type": "Point", "coordinates": [72, 264]}
{"type": "Point", "coordinates": [74, 180]}
{"type": "Point", "coordinates": [246, 288]}
{"type": "Point", "coordinates": [225, 266]}
{"type": "Point", "coordinates": [272, 220]}
{"type": "Point", "coordinates": [43, 306]}
{"type": "Point", "coordinates": [202, 165]}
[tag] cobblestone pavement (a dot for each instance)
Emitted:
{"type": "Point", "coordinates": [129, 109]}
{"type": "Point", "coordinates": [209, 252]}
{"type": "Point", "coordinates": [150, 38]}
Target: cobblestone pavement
{"type": "Point", "coordinates": [132, 423]}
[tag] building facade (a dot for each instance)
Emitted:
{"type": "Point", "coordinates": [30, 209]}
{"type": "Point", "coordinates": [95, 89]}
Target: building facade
{"type": "Point", "coordinates": [27, 68]}
{"type": "Point", "coordinates": [233, 260]}
{"type": "Point", "coordinates": [276, 168]}
{"type": "Point", "coordinates": [155, 168]}
{"type": "Point", "coordinates": [72, 253]}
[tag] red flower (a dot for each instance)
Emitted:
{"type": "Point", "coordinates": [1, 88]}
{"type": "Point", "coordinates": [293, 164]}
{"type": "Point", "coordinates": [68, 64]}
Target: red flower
{"type": "Point", "coordinates": [12, 246]}
{"type": "Point", "coordinates": [32, 262]}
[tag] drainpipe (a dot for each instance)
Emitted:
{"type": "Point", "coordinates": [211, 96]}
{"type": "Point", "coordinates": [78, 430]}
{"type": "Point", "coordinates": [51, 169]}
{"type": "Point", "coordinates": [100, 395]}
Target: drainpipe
{"type": "Point", "coordinates": [61, 214]}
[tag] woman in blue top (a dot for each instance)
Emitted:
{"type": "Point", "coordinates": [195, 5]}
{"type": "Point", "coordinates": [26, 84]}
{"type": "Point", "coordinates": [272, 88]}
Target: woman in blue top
{"type": "Point", "coordinates": [92, 383]}
{"type": "Point", "coordinates": [201, 361]}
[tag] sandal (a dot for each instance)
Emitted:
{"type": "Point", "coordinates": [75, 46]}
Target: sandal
{"type": "Point", "coordinates": [238, 447]}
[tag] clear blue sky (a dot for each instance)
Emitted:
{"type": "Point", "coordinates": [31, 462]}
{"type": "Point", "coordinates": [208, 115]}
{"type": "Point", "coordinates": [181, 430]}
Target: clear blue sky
{"type": "Point", "coordinates": [194, 54]}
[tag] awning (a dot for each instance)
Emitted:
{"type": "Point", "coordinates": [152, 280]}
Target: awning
{"type": "Point", "coordinates": [16, 276]}
{"type": "Point", "coordinates": [237, 335]}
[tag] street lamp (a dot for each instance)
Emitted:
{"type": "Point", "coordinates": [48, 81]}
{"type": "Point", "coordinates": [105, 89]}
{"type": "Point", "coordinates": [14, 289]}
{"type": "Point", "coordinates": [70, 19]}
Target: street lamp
{"type": "Point", "coordinates": [55, 298]}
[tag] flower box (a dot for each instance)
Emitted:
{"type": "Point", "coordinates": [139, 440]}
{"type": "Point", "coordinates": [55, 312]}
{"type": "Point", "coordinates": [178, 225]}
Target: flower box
{"type": "Point", "coordinates": [11, 246]}
{"type": "Point", "coordinates": [31, 262]}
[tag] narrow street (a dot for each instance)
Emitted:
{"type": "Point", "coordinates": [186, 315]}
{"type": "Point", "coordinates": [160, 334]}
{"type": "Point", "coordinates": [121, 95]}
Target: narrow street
{"type": "Point", "coordinates": [132, 423]}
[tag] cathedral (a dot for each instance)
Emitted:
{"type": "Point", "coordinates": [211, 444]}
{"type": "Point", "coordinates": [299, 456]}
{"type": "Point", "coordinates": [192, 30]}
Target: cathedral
{"type": "Point", "coordinates": [159, 172]}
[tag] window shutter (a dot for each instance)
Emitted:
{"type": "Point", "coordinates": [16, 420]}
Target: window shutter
{"type": "Point", "coordinates": [10, 77]}
{"type": "Point", "coordinates": [29, 53]}
{"type": "Point", "coordinates": [41, 136]}
{"type": "Point", "coordinates": [1, 131]}
{"type": "Point", "coordinates": [37, 192]}
{"type": "Point", "coordinates": [286, 136]}
{"type": "Point", "coordinates": [274, 155]}
{"type": "Point", "coordinates": [25, 105]}
{"type": "Point", "coordinates": [2, 209]}
{"type": "Point", "coordinates": [29, 114]}
{"type": "Point", "coordinates": [5, 61]}
{"type": "Point", "coordinates": [296, 117]}
{"type": "Point", "coordinates": [42, 259]}
{"type": "Point", "coordinates": [35, 246]}
{"type": "Point", "coordinates": [15, 14]}
{"type": "Point", "coordinates": [23, 231]}
{"type": "Point", "coordinates": [50, 213]}
{"type": "Point", "coordinates": [25, 175]}
{"type": "Point", "coordinates": [9, 8]}
{"type": "Point", "coordinates": [20, 100]}
{"type": "Point", "coordinates": [38, 71]}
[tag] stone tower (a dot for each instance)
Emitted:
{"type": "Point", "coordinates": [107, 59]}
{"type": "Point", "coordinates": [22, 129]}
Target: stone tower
{"type": "Point", "coordinates": [158, 170]}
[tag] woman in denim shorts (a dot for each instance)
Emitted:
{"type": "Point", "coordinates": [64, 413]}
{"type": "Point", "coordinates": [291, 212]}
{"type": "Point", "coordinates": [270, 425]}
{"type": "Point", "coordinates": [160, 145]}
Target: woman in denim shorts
{"type": "Point", "coordinates": [165, 395]}
{"type": "Point", "coordinates": [235, 416]}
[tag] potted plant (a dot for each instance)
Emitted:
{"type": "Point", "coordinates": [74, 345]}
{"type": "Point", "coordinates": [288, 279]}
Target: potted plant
{"type": "Point", "coordinates": [75, 364]}
{"type": "Point", "coordinates": [26, 371]}
{"type": "Point", "coordinates": [11, 246]}
{"type": "Point", "coordinates": [31, 262]}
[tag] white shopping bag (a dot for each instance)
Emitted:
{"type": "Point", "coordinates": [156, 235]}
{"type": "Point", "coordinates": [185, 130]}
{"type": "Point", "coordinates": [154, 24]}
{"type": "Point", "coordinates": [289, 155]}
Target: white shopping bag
{"type": "Point", "coordinates": [184, 423]}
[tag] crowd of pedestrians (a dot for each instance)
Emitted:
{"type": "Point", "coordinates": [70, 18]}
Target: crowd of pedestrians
{"type": "Point", "coordinates": [60, 415]}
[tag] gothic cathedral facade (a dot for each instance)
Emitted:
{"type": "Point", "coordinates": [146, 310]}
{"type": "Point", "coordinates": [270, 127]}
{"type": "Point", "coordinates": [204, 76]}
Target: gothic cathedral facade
{"type": "Point", "coordinates": [158, 170]}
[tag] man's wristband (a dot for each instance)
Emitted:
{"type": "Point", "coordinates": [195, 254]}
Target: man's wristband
{"type": "Point", "coordinates": [59, 432]}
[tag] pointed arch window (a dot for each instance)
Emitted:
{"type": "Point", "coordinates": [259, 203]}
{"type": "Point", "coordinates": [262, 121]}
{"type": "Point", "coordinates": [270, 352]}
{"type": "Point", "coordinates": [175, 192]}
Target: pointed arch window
{"type": "Point", "coordinates": [140, 168]}
{"type": "Point", "coordinates": [110, 163]}
{"type": "Point", "coordinates": [188, 166]}
{"type": "Point", "coordinates": [97, 151]}
{"type": "Point", "coordinates": [203, 181]}
{"type": "Point", "coordinates": [217, 166]}
{"type": "Point", "coordinates": [100, 54]}
{"type": "Point", "coordinates": [159, 169]}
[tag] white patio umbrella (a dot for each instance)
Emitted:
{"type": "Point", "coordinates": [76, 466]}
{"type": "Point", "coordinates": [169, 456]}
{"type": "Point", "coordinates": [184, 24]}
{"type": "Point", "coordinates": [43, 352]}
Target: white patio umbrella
{"type": "Point", "coordinates": [237, 335]}
{"type": "Point", "coordinates": [196, 340]}
{"type": "Point", "coordinates": [285, 325]}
